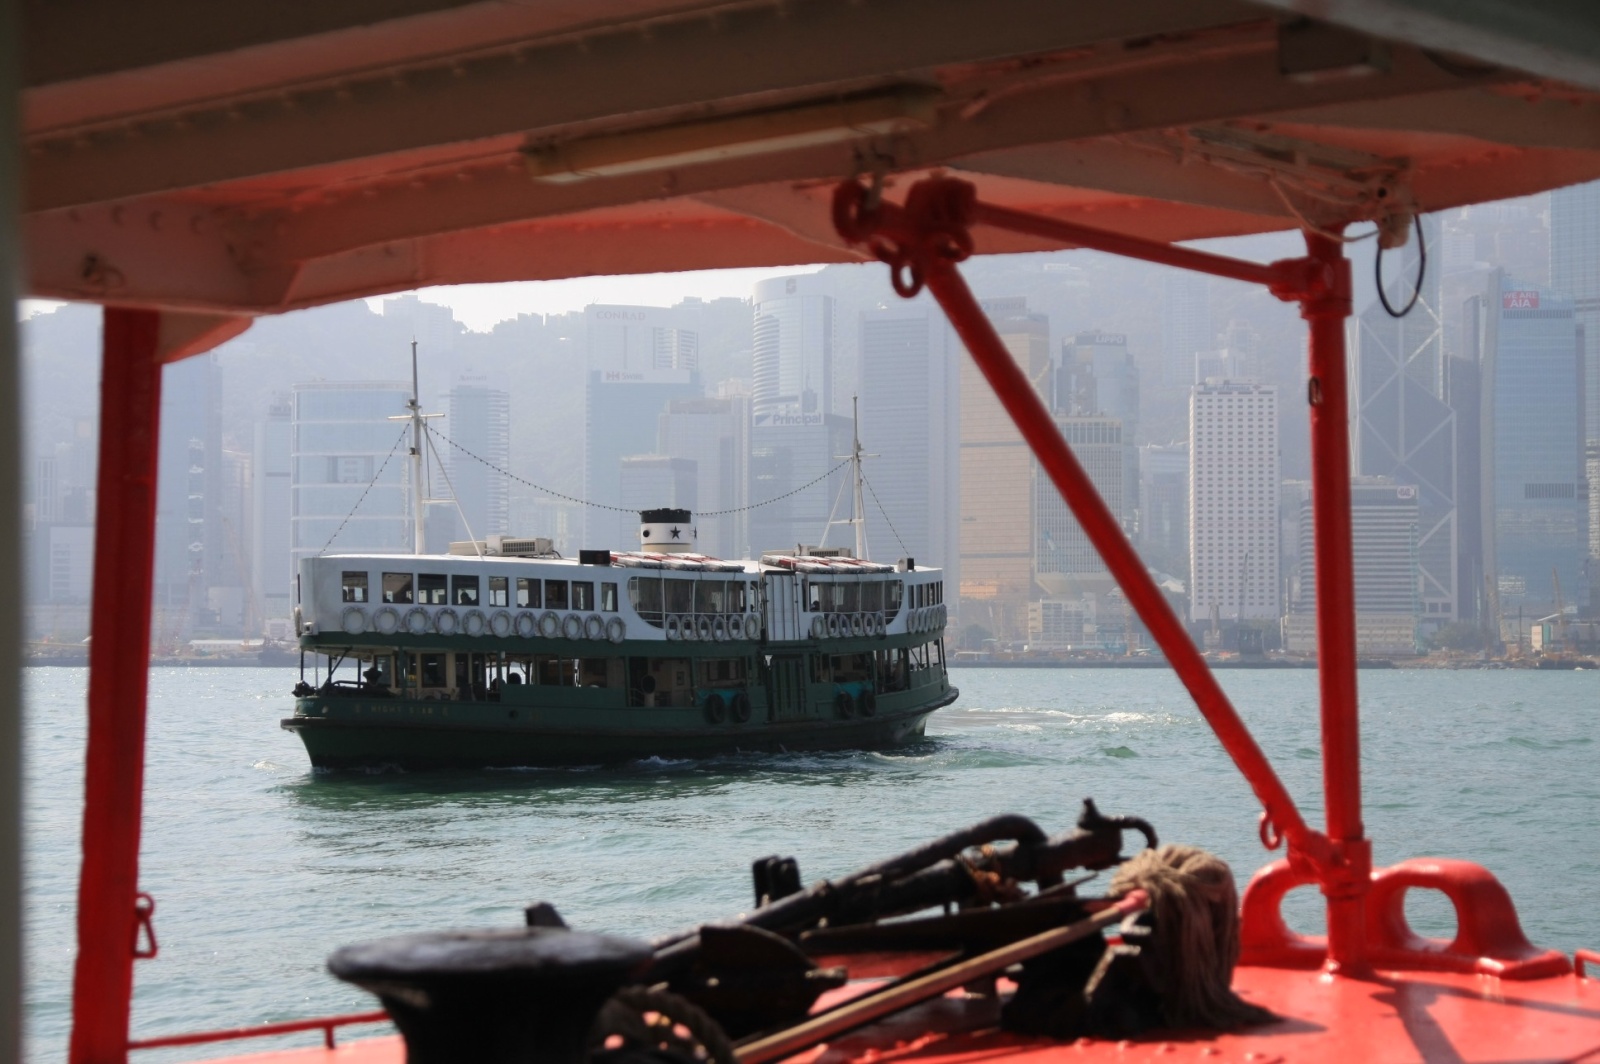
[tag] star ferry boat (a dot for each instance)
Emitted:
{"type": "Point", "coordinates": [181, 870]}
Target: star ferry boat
{"type": "Point", "coordinates": [501, 653]}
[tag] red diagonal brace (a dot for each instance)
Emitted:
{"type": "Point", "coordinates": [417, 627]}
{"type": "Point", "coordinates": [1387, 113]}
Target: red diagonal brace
{"type": "Point", "coordinates": [922, 243]}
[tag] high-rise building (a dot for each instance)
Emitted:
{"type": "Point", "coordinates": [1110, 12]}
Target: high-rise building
{"type": "Point", "coordinates": [640, 359]}
{"type": "Point", "coordinates": [349, 481]}
{"type": "Point", "coordinates": [1097, 378]}
{"type": "Point", "coordinates": [1404, 427]}
{"type": "Point", "coordinates": [997, 480]}
{"type": "Point", "coordinates": [652, 481]}
{"type": "Point", "coordinates": [1384, 526]}
{"type": "Point", "coordinates": [271, 566]}
{"type": "Point", "coordinates": [1575, 272]}
{"type": "Point", "coordinates": [1066, 564]}
{"type": "Point", "coordinates": [1164, 514]}
{"type": "Point", "coordinates": [713, 434]}
{"type": "Point", "coordinates": [1233, 501]}
{"type": "Point", "coordinates": [479, 421]}
{"type": "Point", "coordinates": [795, 437]}
{"type": "Point", "coordinates": [1535, 494]}
{"type": "Point", "coordinates": [189, 535]}
{"type": "Point", "coordinates": [909, 417]}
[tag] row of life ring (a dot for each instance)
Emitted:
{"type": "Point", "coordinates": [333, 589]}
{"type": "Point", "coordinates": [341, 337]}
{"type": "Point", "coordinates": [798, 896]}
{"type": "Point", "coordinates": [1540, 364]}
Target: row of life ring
{"type": "Point", "coordinates": [736, 708]}
{"type": "Point", "coordinates": [848, 625]}
{"type": "Point", "coordinates": [386, 620]}
{"type": "Point", "coordinates": [846, 705]}
{"type": "Point", "coordinates": [927, 619]}
{"type": "Point", "coordinates": [708, 629]}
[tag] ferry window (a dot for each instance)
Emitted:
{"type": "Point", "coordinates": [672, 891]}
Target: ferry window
{"type": "Point", "coordinates": [644, 595]}
{"type": "Point", "coordinates": [680, 595]}
{"type": "Point", "coordinates": [353, 587]}
{"type": "Point", "coordinates": [872, 596]}
{"type": "Point", "coordinates": [735, 596]}
{"type": "Point", "coordinates": [721, 672]}
{"type": "Point", "coordinates": [594, 672]}
{"type": "Point", "coordinates": [527, 593]}
{"type": "Point", "coordinates": [431, 589]}
{"type": "Point", "coordinates": [850, 597]}
{"type": "Point", "coordinates": [555, 594]}
{"type": "Point", "coordinates": [608, 597]}
{"type": "Point", "coordinates": [897, 592]}
{"type": "Point", "coordinates": [813, 596]}
{"type": "Point", "coordinates": [464, 590]}
{"type": "Point", "coordinates": [498, 595]}
{"type": "Point", "coordinates": [554, 672]}
{"type": "Point", "coordinates": [820, 672]}
{"type": "Point", "coordinates": [397, 588]}
{"type": "Point", "coordinates": [936, 652]}
{"type": "Point", "coordinates": [432, 670]}
{"type": "Point", "coordinates": [708, 596]}
{"type": "Point", "coordinates": [583, 594]}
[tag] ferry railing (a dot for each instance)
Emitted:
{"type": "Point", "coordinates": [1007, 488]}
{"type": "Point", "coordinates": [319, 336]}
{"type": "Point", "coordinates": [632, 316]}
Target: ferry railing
{"type": "Point", "coordinates": [325, 1024]}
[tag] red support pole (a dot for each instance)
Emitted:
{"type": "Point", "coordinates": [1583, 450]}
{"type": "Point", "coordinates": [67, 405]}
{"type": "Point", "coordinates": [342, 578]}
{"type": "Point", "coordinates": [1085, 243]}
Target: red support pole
{"type": "Point", "coordinates": [1346, 882]}
{"type": "Point", "coordinates": [119, 662]}
{"type": "Point", "coordinates": [1033, 420]}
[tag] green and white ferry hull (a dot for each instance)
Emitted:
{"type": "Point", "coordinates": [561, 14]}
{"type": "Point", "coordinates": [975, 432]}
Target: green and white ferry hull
{"type": "Point", "coordinates": [499, 661]}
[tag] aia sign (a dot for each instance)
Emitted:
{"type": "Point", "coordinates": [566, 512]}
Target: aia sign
{"type": "Point", "coordinates": [1519, 300]}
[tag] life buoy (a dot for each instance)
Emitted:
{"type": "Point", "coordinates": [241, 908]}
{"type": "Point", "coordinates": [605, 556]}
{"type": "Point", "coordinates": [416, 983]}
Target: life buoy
{"type": "Point", "coordinates": [869, 703]}
{"type": "Point", "coordinates": [549, 624]}
{"type": "Point", "coordinates": [594, 626]}
{"type": "Point", "coordinates": [674, 629]}
{"type": "Point", "coordinates": [447, 621]}
{"type": "Point", "coordinates": [858, 625]}
{"type": "Point", "coordinates": [527, 624]}
{"type": "Point", "coordinates": [844, 705]}
{"type": "Point", "coordinates": [616, 629]}
{"type": "Point", "coordinates": [833, 626]}
{"type": "Point", "coordinates": [740, 708]}
{"type": "Point", "coordinates": [719, 630]}
{"type": "Point", "coordinates": [387, 620]}
{"type": "Point", "coordinates": [474, 623]}
{"type": "Point", "coordinates": [299, 622]}
{"type": "Point", "coordinates": [417, 621]}
{"type": "Point", "coordinates": [501, 624]}
{"type": "Point", "coordinates": [716, 709]}
{"type": "Point", "coordinates": [702, 628]}
{"type": "Point", "coordinates": [572, 626]}
{"type": "Point", "coordinates": [819, 627]}
{"type": "Point", "coordinates": [879, 627]}
{"type": "Point", "coordinates": [354, 621]}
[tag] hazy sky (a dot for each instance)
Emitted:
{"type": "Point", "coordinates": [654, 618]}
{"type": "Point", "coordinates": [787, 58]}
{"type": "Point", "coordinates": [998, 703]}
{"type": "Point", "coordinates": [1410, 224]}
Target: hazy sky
{"type": "Point", "coordinates": [480, 306]}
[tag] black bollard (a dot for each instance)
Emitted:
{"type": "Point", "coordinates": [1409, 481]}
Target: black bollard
{"type": "Point", "coordinates": [527, 995]}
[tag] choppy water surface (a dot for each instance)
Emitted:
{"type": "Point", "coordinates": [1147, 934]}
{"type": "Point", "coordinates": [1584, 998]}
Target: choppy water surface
{"type": "Point", "coordinates": [261, 868]}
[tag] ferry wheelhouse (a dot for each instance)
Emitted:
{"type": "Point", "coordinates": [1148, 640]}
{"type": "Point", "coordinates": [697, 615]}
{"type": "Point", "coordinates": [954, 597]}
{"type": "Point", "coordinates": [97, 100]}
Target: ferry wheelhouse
{"type": "Point", "coordinates": [502, 653]}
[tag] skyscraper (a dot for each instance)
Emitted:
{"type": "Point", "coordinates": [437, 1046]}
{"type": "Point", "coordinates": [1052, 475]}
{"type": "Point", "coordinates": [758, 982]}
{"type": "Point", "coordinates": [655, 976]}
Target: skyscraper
{"type": "Point", "coordinates": [1066, 564]}
{"type": "Point", "coordinates": [1097, 378]}
{"type": "Point", "coordinates": [795, 436]}
{"type": "Point", "coordinates": [909, 417]}
{"type": "Point", "coordinates": [349, 484]}
{"type": "Point", "coordinates": [1384, 524]}
{"type": "Point", "coordinates": [480, 422]}
{"type": "Point", "coordinates": [1575, 272]}
{"type": "Point", "coordinates": [640, 359]}
{"type": "Point", "coordinates": [998, 515]}
{"type": "Point", "coordinates": [1405, 429]}
{"type": "Point", "coordinates": [1233, 493]}
{"type": "Point", "coordinates": [271, 568]}
{"type": "Point", "coordinates": [714, 435]}
{"type": "Point", "coordinates": [1535, 491]}
{"type": "Point", "coordinates": [1164, 498]}
{"type": "Point", "coordinates": [189, 535]}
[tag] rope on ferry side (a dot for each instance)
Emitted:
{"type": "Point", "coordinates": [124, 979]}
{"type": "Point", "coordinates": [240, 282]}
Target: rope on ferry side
{"type": "Point", "coordinates": [623, 509]}
{"type": "Point", "coordinates": [905, 549]}
{"type": "Point", "coordinates": [364, 491]}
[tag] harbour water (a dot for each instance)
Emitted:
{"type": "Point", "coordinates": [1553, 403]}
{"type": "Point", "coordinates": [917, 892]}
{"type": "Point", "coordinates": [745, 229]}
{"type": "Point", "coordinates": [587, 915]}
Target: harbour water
{"type": "Point", "coordinates": [261, 868]}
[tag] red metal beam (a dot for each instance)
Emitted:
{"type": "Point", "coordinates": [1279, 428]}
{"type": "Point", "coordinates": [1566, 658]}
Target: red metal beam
{"type": "Point", "coordinates": [1346, 882]}
{"type": "Point", "coordinates": [325, 1024]}
{"type": "Point", "coordinates": [1033, 420]}
{"type": "Point", "coordinates": [119, 661]}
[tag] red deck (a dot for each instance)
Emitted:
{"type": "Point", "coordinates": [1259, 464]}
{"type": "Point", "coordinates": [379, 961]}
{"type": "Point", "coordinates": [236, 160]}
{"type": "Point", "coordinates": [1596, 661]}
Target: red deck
{"type": "Point", "coordinates": [1395, 1019]}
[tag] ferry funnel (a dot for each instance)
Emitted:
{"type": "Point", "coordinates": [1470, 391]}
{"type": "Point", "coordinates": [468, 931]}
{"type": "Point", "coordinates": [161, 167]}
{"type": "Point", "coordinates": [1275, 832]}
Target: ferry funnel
{"type": "Point", "coordinates": [666, 531]}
